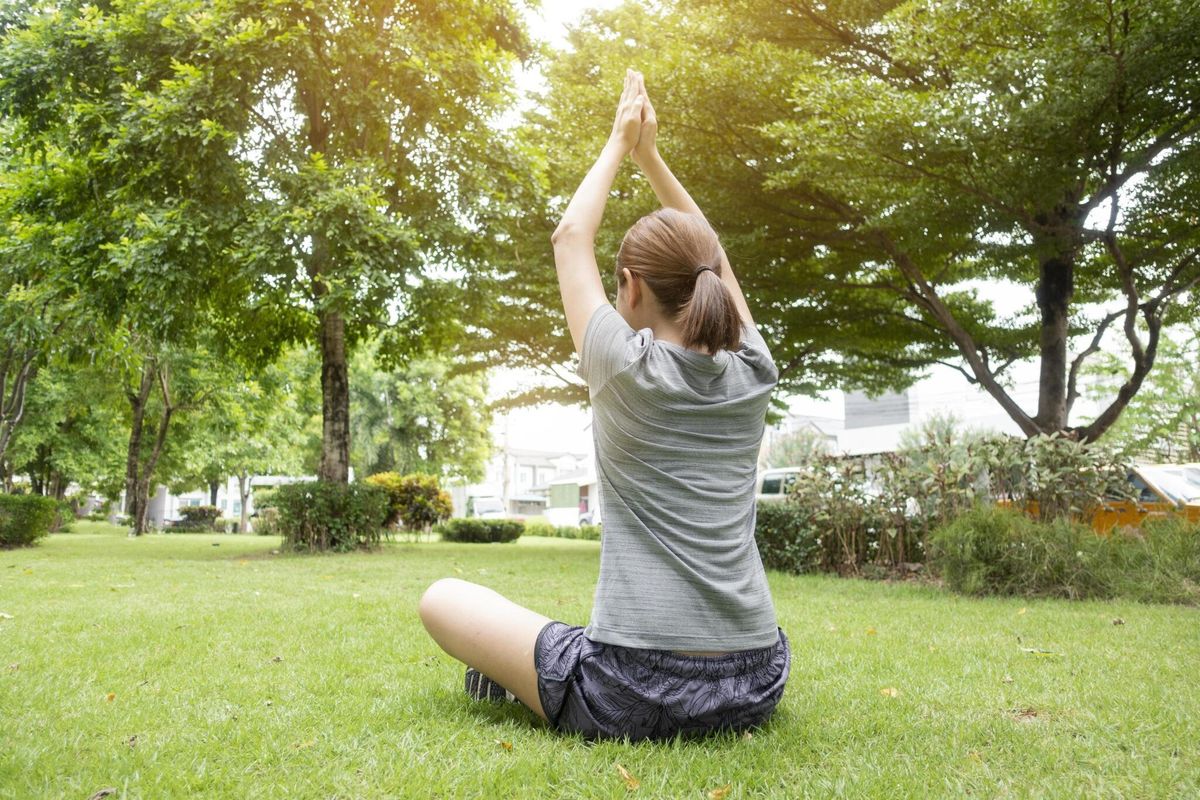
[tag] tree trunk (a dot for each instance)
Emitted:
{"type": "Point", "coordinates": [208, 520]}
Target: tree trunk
{"type": "Point", "coordinates": [244, 491]}
{"type": "Point", "coordinates": [160, 438]}
{"type": "Point", "coordinates": [335, 396]}
{"type": "Point", "coordinates": [137, 403]}
{"type": "Point", "coordinates": [1054, 291]}
{"type": "Point", "coordinates": [212, 492]}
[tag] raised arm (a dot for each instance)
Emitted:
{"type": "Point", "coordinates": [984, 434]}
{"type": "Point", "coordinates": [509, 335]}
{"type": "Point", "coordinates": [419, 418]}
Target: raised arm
{"type": "Point", "coordinates": [574, 239]}
{"type": "Point", "coordinates": [670, 191]}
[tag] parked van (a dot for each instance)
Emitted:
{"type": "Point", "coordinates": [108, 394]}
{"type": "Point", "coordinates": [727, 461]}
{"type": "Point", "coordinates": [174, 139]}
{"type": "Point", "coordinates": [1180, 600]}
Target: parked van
{"type": "Point", "coordinates": [774, 484]}
{"type": "Point", "coordinates": [485, 506]}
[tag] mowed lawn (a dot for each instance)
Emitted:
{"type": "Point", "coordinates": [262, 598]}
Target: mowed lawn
{"type": "Point", "coordinates": [169, 667]}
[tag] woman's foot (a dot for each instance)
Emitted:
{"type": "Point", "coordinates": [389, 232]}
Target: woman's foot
{"type": "Point", "coordinates": [481, 687]}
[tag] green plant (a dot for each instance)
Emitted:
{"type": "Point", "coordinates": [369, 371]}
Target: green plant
{"type": "Point", "coordinates": [25, 518]}
{"type": "Point", "coordinates": [474, 529]}
{"type": "Point", "coordinates": [539, 528]}
{"type": "Point", "coordinates": [317, 516]}
{"type": "Point", "coordinates": [197, 518]}
{"type": "Point", "coordinates": [416, 501]}
{"type": "Point", "coordinates": [786, 539]}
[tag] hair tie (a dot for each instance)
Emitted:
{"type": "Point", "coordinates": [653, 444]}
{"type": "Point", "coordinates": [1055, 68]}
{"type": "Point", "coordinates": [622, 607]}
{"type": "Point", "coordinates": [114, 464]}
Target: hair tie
{"type": "Point", "coordinates": [696, 272]}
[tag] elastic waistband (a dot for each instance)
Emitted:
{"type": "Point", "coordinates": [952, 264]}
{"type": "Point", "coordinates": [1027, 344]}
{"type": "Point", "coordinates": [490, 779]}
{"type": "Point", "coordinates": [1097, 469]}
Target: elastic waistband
{"type": "Point", "coordinates": [711, 666]}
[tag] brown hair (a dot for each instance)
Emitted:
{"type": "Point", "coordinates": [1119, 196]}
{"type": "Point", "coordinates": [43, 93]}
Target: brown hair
{"type": "Point", "coordinates": [669, 249]}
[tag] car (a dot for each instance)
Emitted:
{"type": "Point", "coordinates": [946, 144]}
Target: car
{"type": "Point", "coordinates": [774, 484]}
{"type": "Point", "coordinates": [1161, 489]}
{"type": "Point", "coordinates": [485, 507]}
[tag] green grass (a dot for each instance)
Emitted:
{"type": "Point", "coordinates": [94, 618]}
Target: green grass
{"type": "Point", "coordinates": [244, 674]}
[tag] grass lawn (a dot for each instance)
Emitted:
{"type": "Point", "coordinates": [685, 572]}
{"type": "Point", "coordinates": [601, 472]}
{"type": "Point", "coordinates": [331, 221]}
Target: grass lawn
{"type": "Point", "coordinates": [171, 667]}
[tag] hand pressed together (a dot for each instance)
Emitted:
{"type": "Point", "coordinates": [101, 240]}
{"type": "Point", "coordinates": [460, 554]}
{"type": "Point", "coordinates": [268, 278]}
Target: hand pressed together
{"type": "Point", "coordinates": [636, 125]}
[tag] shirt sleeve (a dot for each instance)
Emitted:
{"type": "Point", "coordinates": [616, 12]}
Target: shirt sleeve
{"type": "Point", "coordinates": [609, 344]}
{"type": "Point", "coordinates": [754, 349]}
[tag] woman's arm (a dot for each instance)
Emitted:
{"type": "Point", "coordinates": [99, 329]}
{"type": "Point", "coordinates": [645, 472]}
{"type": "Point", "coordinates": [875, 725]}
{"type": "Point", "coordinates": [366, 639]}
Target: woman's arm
{"type": "Point", "coordinates": [575, 237]}
{"type": "Point", "coordinates": [670, 191]}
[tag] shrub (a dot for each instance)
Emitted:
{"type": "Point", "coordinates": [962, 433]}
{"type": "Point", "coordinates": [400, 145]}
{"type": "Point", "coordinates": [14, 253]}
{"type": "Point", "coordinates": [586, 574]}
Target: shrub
{"type": "Point", "coordinates": [540, 527]}
{"type": "Point", "coordinates": [266, 521]}
{"type": "Point", "coordinates": [589, 532]}
{"type": "Point", "coordinates": [318, 516]}
{"type": "Point", "coordinates": [197, 518]}
{"type": "Point", "coordinates": [786, 539]}
{"type": "Point", "coordinates": [473, 529]}
{"type": "Point", "coordinates": [25, 518]}
{"type": "Point", "coordinates": [992, 550]}
{"type": "Point", "coordinates": [63, 517]}
{"type": "Point", "coordinates": [972, 553]}
{"type": "Point", "coordinates": [415, 501]}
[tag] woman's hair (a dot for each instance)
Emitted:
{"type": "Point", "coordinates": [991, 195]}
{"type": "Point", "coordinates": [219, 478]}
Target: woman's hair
{"type": "Point", "coordinates": [668, 249]}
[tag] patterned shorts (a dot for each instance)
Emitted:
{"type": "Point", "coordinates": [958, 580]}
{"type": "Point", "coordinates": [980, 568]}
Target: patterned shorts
{"type": "Point", "coordinates": [608, 691]}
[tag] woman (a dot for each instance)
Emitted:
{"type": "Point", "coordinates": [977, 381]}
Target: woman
{"type": "Point", "coordinates": [683, 637]}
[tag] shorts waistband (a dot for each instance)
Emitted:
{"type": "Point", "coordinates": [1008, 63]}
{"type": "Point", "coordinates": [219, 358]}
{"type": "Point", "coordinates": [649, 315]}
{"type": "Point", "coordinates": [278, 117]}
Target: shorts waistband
{"type": "Point", "coordinates": [726, 664]}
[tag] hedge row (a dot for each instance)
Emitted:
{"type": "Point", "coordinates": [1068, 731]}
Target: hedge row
{"type": "Point", "coordinates": [540, 528]}
{"type": "Point", "coordinates": [473, 529]}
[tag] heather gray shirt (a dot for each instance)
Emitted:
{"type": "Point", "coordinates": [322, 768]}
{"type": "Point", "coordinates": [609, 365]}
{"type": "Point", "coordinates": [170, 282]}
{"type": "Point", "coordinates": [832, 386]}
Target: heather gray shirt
{"type": "Point", "coordinates": [677, 436]}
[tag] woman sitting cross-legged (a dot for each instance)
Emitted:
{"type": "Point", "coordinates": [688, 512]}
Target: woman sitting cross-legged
{"type": "Point", "coordinates": [683, 638]}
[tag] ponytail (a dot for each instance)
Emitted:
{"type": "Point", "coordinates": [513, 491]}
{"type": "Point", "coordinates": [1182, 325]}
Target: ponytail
{"type": "Point", "coordinates": [710, 318]}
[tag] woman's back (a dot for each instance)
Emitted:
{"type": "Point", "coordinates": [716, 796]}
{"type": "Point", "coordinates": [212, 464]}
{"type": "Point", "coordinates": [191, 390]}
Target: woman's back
{"type": "Point", "coordinates": [677, 436]}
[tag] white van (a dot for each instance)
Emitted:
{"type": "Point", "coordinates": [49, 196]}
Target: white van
{"type": "Point", "coordinates": [485, 506]}
{"type": "Point", "coordinates": [774, 484]}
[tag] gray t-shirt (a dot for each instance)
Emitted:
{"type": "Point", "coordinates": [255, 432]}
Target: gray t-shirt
{"type": "Point", "coordinates": [677, 436]}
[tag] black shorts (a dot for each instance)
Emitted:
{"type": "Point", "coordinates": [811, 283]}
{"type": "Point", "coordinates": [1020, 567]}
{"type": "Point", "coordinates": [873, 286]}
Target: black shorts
{"type": "Point", "coordinates": [608, 691]}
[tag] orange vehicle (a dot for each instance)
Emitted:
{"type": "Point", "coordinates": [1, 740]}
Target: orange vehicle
{"type": "Point", "coordinates": [1161, 489]}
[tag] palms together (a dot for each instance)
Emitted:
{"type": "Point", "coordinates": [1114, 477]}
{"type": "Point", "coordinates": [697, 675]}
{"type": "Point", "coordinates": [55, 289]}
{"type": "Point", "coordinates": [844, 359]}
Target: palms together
{"type": "Point", "coordinates": [636, 124]}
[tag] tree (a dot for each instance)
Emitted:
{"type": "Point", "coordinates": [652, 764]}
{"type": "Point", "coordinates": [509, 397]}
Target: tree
{"type": "Point", "coordinates": [886, 155]}
{"type": "Point", "coordinates": [370, 124]}
{"type": "Point", "coordinates": [249, 428]}
{"type": "Point", "coordinates": [418, 419]}
{"type": "Point", "coordinates": [1162, 422]}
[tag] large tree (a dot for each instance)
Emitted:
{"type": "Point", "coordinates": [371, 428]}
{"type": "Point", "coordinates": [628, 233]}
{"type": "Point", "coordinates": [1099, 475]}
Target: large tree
{"type": "Point", "coordinates": [370, 131]}
{"type": "Point", "coordinates": [872, 163]}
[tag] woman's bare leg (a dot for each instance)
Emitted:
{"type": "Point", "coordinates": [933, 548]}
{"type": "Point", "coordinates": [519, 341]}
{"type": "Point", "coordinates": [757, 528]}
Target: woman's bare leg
{"type": "Point", "coordinates": [487, 631]}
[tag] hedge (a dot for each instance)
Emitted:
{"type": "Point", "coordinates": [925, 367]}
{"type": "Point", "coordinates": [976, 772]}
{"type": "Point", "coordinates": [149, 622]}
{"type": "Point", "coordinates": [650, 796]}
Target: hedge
{"type": "Point", "coordinates": [25, 518]}
{"type": "Point", "coordinates": [473, 529]}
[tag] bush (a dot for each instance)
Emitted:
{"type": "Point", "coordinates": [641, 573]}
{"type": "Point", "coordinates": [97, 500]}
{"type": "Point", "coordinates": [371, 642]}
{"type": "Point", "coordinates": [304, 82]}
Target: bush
{"type": "Point", "coordinates": [589, 532]}
{"type": "Point", "coordinates": [992, 550]}
{"type": "Point", "coordinates": [473, 529]}
{"type": "Point", "coordinates": [786, 539]}
{"type": "Point", "coordinates": [318, 516]}
{"type": "Point", "coordinates": [266, 521]}
{"type": "Point", "coordinates": [63, 517]}
{"type": "Point", "coordinates": [25, 518]}
{"type": "Point", "coordinates": [540, 527]}
{"type": "Point", "coordinates": [415, 501]}
{"type": "Point", "coordinates": [197, 518]}
{"type": "Point", "coordinates": [972, 553]}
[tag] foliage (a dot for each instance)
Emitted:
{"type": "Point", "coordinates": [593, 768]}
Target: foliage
{"type": "Point", "coordinates": [198, 518]}
{"type": "Point", "coordinates": [540, 527]}
{"type": "Point", "coordinates": [415, 501]}
{"type": "Point", "coordinates": [798, 447]}
{"type": "Point", "coordinates": [889, 159]}
{"type": "Point", "coordinates": [786, 538]}
{"type": "Point", "coordinates": [419, 417]}
{"type": "Point", "coordinates": [991, 550]}
{"type": "Point", "coordinates": [318, 515]}
{"type": "Point", "coordinates": [25, 518]}
{"type": "Point", "coordinates": [1161, 423]}
{"type": "Point", "coordinates": [473, 529]}
{"type": "Point", "coordinates": [882, 510]}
